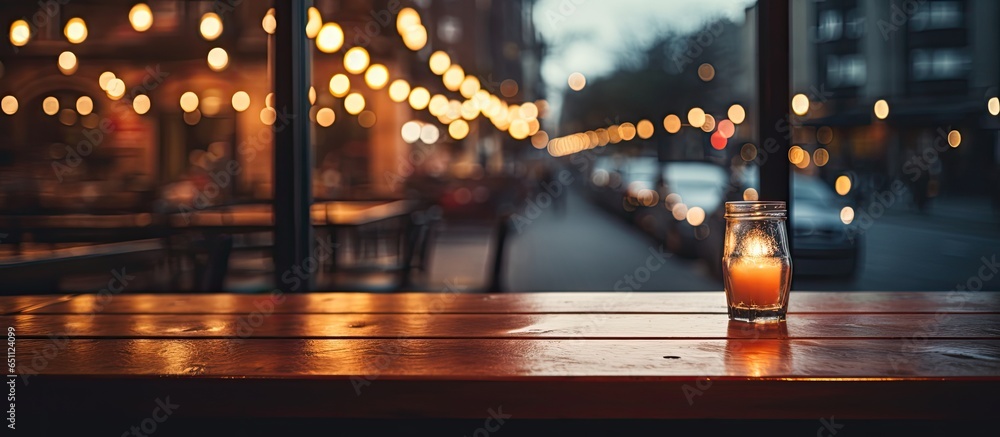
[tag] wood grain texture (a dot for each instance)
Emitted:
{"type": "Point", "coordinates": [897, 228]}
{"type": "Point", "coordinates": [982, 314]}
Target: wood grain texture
{"type": "Point", "coordinates": [503, 360]}
{"type": "Point", "coordinates": [16, 304]}
{"type": "Point", "coordinates": [522, 303]}
{"type": "Point", "coordinates": [509, 326]}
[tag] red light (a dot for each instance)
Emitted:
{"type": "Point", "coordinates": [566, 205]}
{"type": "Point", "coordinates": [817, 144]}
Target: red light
{"type": "Point", "coordinates": [718, 141]}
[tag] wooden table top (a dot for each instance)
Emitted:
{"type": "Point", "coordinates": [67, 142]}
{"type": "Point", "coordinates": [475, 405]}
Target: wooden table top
{"type": "Point", "coordinates": [540, 355]}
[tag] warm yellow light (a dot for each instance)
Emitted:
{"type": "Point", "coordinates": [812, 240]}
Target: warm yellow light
{"type": "Point", "coordinates": [469, 110]}
{"type": "Point", "coordinates": [211, 26]}
{"type": "Point", "coordinates": [672, 123]}
{"type": "Point", "coordinates": [696, 117]}
{"type": "Point", "coordinates": [377, 76]}
{"type": "Point", "coordinates": [76, 30]}
{"type": "Point", "coordinates": [67, 63]}
{"type": "Point", "coordinates": [800, 104]}
{"type": "Point", "coordinates": [315, 21]}
{"type": "Point", "coordinates": [706, 72]}
{"type": "Point", "coordinates": [50, 106]}
{"type": "Point", "coordinates": [218, 59]}
{"type": "Point", "coordinates": [993, 106]}
{"type": "Point", "coordinates": [399, 90]}
{"type": "Point", "coordinates": [340, 85]}
{"type": "Point", "coordinates": [881, 109]}
{"type": "Point", "coordinates": [737, 114]}
{"type": "Point", "coordinates": [325, 117]}
{"type": "Point", "coordinates": [141, 104]}
{"type": "Point", "coordinates": [419, 98]}
{"type": "Point", "coordinates": [805, 160]}
{"type": "Point", "coordinates": [438, 105]}
{"type": "Point", "coordinates": [105, 79]}
{"type": "Point", "coordinates": [189, 101]}
{"type": "Point", "coordinates": [954, 138]}
{"type": "Point", "coordinates": [241, 101]}
{"type": "Point", "coordinates": [519, 129]}
{"type": "Point", "coordinates": [847, 215]}
{"type": "Point", "coordinates": [20, 33]}
{"type": "Point", "coordinates": [529, 110]}
{"type": "Point", "coordinates": [269, 23]}
{"type": "Point", "coordinates": [751, 195]}
{"type": "Point", "coordinates": [644, 129]}
{"type": "Point", "coordinates": [796, 155]}
{"type": "Point", "coordinates": [410, 132]}
{"type": "Point", "coordinates": [469, 86]}
{"type": "Point", "coordinates": [141, 17]}
{"type": "Point", "coordinates": [415, 37]}
{"type": "Point", "coordinates": [84, 105]}
{"type": "Point", "coordinates": [9, 105]}
{"type": "Point", "coordinates": [577, 81]}
{"type": "Point", "coordinates": [453, 77]}
{"type": "Point", "coordinates": [439, 62]}
{"type": "Point", "coordinates": [268, 115]}
{"type": "Point", "coordinates": [407, 18]}
{"type": "Point", "coordinates": [356, 60]}
{"type": "Point", "coordinates": [269, 100]}
{"type": "Point", "coordinates": [312, 95]}
{"type": "Point", "coordinates": [458, 129]}
{"type": "Point", "coordinates": [626, 131]}
{"type": "Point", "coordinates": [330, 38]}
{"type": "Point", "coordinates": [116, 88]}
{"type": "Point", "coordinates": [842, 185]}
{"type": "Point", "coordinates": [354, 103]}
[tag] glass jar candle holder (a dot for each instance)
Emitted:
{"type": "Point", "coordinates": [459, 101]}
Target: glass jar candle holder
{"type": "Point", "coordinates": [756, 264]}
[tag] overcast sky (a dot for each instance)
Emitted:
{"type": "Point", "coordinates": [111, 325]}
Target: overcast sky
{"type": "Point", "coordinates": [590, 35]}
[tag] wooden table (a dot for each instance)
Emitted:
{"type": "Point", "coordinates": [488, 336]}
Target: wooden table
{"type": "Point", "coordinates": [851, 356]}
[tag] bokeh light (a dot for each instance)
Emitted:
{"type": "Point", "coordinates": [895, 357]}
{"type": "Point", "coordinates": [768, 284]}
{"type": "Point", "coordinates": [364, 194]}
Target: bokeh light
{"type": "Point", "coordinates": [325, 117]}
{"type": "Point", "coordinates": [84, 105]}
{"type": "Point", "coordinates": [439, 62]}
{"type": "Point", "coordinates": [50, 106]}
{"type": "Point", "coordinates": [141, 17]}
{"type": "Point", "coordinates": [141, 104]}
{"type": "Point", "coordinates": [211, 26]}
{"type": "Point", "coordinates": [340, 85]}
{"type": "Point", "coordinates": [847, 215]}
{"type": "Point", "coordinates": [644, 129]}
{"type": "Point", "coordinates": [672, 123]}
{"type": "Point", "coordinates": [399, 90]}
{"type": "Point", "coordinates": [954, 138]}
{"type": "Point", "coordinates": [706, 72]}
{"type": "Point", "coordinates": [241, 101]}
{"type": "Point", "coordinates": [800, 104]}
{"type": "Point", "coordinates": [419, 98]}
{"type": "Point", "coordinates": [218, 59]}
{"type": "Point", "coordinates": [76, 30]}
{"type": "Point", "coordinates": [9, 105]}
{"type": "Point", "coordinates": [330, 39]}
{"type": "Point", "coordinates": [696, 117]}
{"type": "Point", "coordinates": [737, 114]}
{"type": "Point", "coordinates": [189, 101]}
{"type": "Point", "coordinates": [20, 33]}
{"type": "Point", "coordinates": [67, 63]}
{"type": "Point", "coordinates": [577, 81]}
{"type": "Point", "coordinates": [354, 103]}
{"type": "Point", "coordinates": [377, 76]}
{"type": "Point", "coordinates": [881, 109]}
{"type": "Point", "coordinates": [356, 60]}
{"type": "Point", "coordinates": [458, 129]}
{"type": "Point", "coordinates": [820, 157]}
{"type": "Point", "coordinates": [751, 195]}
{"type": "Point", "coordinates": [842, 185]}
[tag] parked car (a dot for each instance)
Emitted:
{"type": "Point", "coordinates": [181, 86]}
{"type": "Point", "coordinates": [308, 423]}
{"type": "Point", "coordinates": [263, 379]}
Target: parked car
{"type": "Point", "coordinates": [821, 242]}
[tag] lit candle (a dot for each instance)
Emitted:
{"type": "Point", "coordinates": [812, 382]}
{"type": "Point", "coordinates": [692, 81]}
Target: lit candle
{"type": "Point", "coordinates": [755, 279]}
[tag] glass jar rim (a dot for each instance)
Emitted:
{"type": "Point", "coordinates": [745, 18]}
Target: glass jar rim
{"type": "Point", "coordinates": [756, 209]}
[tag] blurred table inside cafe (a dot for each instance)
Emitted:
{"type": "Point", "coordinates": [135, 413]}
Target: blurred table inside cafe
{"type": "Point", "coordinates": [849, 358]}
